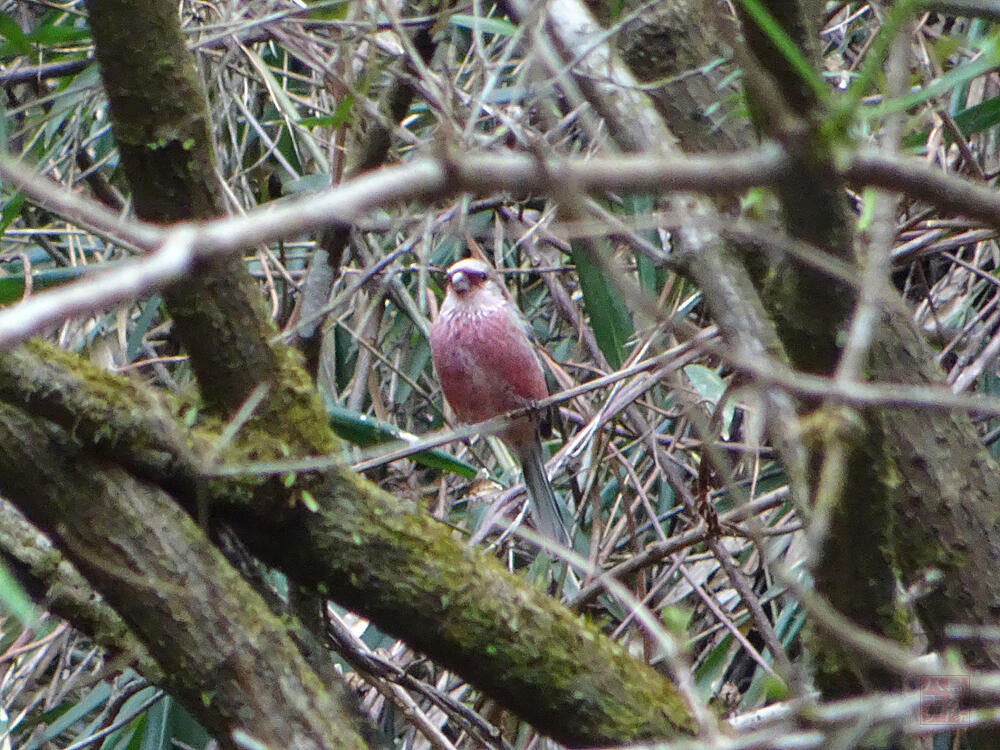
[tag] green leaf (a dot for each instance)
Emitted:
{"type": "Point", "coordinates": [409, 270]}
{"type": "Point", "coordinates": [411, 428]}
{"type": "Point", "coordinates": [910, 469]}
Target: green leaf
{"type": "Point", "coordinates": [11, 210]}
{"type": "Point", "coordinates": [676, 620]}
{"type": "Point", "coordinates": [775, 689]}
{"type": "Point", "coordinates": [497, 26]}
{"type": "Point", "coordinates": [982, 116]}
{"type": "Point", "coordinates": [185, 728]}
{"type": "Point", "coordinates": [14, 600]}
{"type": "Point", "coordinates": [51, 34]}
{"type": "Point", "coordinates": [989, 384]}
{"type": "Point", "coordinates": [956, 77]}
{"type": "Point", "coordinates": [4, 128]}
{"type": "Point", "coordinates": [17, 42]}
{"type": "Point", "coordinates": [345, 353]}
{"type": "Point", "coordinates": [126, 737]}
{"type": "Point", "coordinates": [327, 121]}
{"type": "Point", "coordinates": [665, 498]}
{"type": "Point", "coordinates": [342, 114]}
{"type": "Point", "coordinates": [286, 145]}
{"type": "Point", "coordinates": [310, 183]}
{"type": "Point", "coordinates": [362, 430]}
{"type": "Point", "coordinates": [66, 714]}
{"type": "Point", "coordinates": [12, 287]}
{"type": "Point", "coordinates": [652, 277]}
{"type": "Point", "coordinates": [153, 731]}
{"type": "Point", "coordinates": [133, 716]}
{"type": "Point", "coordinates": [330, 10]}
{"type": "Point", "coordinates": [134, 341]}
{"type": "Point", "coordinates": [788, 625]}
{"type": "Point", "coordinates": [420, 355]}
{"type": "Point", "coordinates": [609, 317]}
{"type": "Point", "coordinates": [713, 667]}
{"type": "Point", "coordinates": [710, 388]}
{"type": "Point", "coordinates": [706, 382]}
{"type": "Point", "coordinates": [970, 121]}
{"type": "Point", "coordinates": [167, 721]}
{"type": "Point", "coordinates": [847, 106]}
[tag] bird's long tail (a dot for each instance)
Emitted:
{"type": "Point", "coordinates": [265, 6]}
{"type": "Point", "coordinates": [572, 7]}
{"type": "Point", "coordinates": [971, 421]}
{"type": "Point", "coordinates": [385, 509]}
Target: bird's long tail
{"type": "Point", "coordinates": [545, 507]}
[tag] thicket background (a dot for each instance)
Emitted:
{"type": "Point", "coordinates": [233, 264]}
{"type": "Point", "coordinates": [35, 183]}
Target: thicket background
{"type": "Point", "coordinates": [757, 246]}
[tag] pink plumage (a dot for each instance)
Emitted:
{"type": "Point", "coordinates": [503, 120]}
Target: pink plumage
{"type": "Point", "coordinates": [487, 367]}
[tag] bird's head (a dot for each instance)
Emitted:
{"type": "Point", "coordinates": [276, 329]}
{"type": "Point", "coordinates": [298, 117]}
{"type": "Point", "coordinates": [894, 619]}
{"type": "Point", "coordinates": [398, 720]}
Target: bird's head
{"type": "Point", "coordinates": [472, 279]}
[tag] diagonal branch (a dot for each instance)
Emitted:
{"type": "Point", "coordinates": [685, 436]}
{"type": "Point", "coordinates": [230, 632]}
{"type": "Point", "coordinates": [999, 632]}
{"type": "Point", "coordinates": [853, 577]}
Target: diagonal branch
{"type": "Point", "coordinates": [199, 619]}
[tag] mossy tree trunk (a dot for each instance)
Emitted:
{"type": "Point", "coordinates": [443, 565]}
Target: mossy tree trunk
{"type": "Point", "coordinates": [917, 485]}
{"type": "Point", "coordinates": [101, 464]}
{"type": "Point", "coordinates": [133, 462]}
{"type": "Point", "coordinates": [918, 491]}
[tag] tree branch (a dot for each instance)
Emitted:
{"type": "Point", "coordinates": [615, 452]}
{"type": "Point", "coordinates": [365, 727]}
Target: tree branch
{"type": "Point", "coordinates": [199, 619]}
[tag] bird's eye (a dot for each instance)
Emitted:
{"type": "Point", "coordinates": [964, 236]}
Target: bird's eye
{"type": "Point", "coordinates": [463, 280]}
{"type": "Point", "coordinates": [469, 275]}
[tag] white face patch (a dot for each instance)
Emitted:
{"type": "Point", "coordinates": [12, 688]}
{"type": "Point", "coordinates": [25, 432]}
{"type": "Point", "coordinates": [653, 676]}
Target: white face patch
{"type": "Point", "coordinates": [487, 300]}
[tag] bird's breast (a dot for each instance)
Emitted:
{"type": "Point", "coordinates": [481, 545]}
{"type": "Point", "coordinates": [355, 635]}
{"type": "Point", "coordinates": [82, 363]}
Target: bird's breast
{"type": "Point", "coordinates": [485, 363]}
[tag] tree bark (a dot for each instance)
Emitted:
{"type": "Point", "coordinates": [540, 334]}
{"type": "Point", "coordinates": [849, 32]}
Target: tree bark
{"type": "Point", "coordinates": [223, 654]}
{"type": "Point", "coordinates": [356, 544]}
{"type": "Point", "coordinates": [386, 560]}
{"type": "Point", "coordinates": [918, 485]}
{"type": "Point", "coordinates": [161, 126]}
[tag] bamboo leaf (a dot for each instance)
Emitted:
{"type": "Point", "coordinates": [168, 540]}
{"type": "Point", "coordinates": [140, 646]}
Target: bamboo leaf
{"type": "Point", "coordinates": [365, 431]}
{"type": "Point", "coordinates": [12, 287]}
{"type": "Point", "coordinates": [14, 600]}
{"type": "Point", "coordinates": [484, 25]}
{"type": "Point", "coordinates": [609, 317]}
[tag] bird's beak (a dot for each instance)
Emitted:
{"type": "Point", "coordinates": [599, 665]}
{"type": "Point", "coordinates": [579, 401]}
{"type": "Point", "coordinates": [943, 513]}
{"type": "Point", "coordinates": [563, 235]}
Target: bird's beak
{"type": "Point", "coordinates": [459, 282]}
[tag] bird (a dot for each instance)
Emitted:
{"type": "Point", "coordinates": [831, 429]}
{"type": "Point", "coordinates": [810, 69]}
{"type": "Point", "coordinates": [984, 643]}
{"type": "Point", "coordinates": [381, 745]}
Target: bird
{"type": "Point", "coordinates": [487, 366]}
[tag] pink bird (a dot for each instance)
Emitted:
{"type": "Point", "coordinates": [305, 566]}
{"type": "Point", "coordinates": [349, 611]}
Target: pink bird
{"type": "Point", "coordinates": [487, 367]}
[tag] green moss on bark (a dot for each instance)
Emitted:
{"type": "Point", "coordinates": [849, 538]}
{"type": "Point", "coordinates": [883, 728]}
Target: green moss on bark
{"type": "Point", "coordinates": [414, 579]}
{"type": "Point", "coordinates": [160, 122]}
{"type": "Point", "coordinates": [198, 618]}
